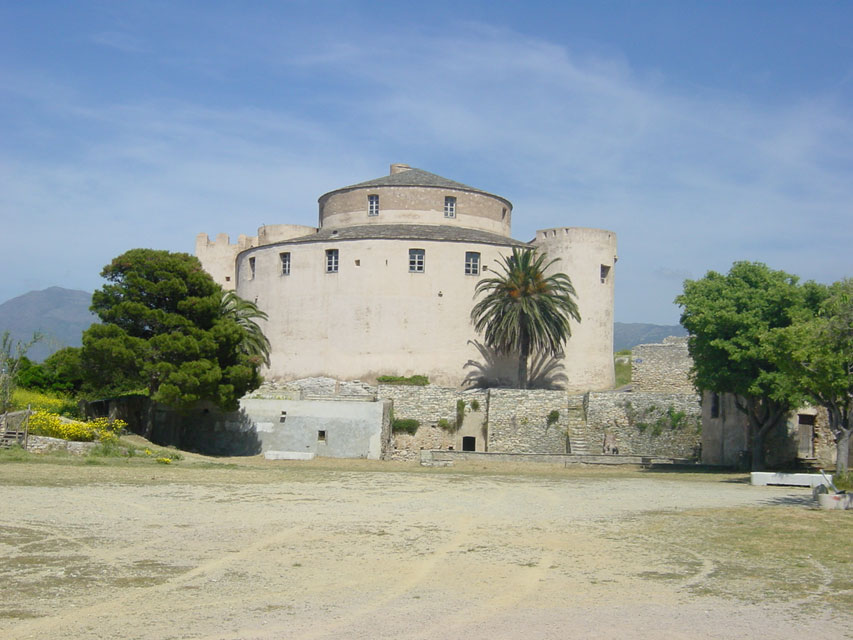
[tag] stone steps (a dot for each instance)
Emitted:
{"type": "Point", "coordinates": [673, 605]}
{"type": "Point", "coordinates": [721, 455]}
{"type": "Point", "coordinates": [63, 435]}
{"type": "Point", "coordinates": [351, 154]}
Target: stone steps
{"type": "Point", "coordinates": [578, 442]}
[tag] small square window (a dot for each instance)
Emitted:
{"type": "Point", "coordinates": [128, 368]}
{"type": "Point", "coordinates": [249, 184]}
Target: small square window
{"type": "Point", "coordinates": [373, 205]}
{"type": "Point", "coordinates": [416, 260]}
{"type": "Point", "coordinates": [285, 263]}
{"type": "Point", "coordinates": [321, 436]}
{"type": "Point", "coordinates": [472, 263]}
{"type": "Point", "coordinates": [251, 268]}
{"type": "Point", "coordinates": [449, 207]}
{"type": "Point", "coordinates": [331, 260]}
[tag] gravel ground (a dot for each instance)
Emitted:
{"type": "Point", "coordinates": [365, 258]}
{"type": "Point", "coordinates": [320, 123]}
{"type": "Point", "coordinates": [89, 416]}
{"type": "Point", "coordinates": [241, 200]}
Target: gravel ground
{"type": "Point", "coordinates": [360, 553]}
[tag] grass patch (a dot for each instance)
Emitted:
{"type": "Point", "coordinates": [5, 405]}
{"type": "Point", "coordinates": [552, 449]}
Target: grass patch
{"type": "Point", "coordinates": [622, 367]}
{"type": "Point", "coordinates": [413, 381]}
{"type": "Point", "coordinates": [778, 554]}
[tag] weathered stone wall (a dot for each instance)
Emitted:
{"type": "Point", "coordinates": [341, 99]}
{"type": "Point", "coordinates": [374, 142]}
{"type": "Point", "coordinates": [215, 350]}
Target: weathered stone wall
{"type": "Point", "coordinates": [662, 367]}
{"type": "Point", "coordinates": [44, 444]}
{"type": "Point", "coordinates": [644, 424]}
{"type": "Point", "coordinates": [518, 421]}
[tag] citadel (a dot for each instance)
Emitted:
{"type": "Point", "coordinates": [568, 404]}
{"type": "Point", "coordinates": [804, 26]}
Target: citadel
{"type": "Point", "coordinates": [385, 283]}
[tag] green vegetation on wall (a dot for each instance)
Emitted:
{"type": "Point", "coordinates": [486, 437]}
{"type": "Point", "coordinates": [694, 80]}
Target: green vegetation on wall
{"type": "Point", "coordinates": [412, 381]}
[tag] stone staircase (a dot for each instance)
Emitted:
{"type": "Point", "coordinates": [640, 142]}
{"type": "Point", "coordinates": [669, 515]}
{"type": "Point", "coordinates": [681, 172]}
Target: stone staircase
{"type": "Point", "coordinates": [578, 442]}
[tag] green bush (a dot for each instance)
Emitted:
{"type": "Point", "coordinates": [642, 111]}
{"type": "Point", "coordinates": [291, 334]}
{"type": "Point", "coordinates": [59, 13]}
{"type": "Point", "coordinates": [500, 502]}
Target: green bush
{"type": "Point", "coordinates": [405, 425]}
{"type": "Point", "coordinates": [553, 417]}
{"type": "Point", "coordinates": [460, 412]}
{"type": "Point", "coordinates": [413, 381]}
{"type": "Point", "coordinates": [446, 425]}
{"type": "Point", "coordinates": [843, 481]}
{"type": "Point", "coordinates": [475, 405]}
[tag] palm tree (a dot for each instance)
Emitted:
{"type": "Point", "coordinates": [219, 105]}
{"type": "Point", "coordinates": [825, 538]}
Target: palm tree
{"type": "Point", "coordinates": [255, 344]}
{"type": "Point", "coordinates": [524, 309]}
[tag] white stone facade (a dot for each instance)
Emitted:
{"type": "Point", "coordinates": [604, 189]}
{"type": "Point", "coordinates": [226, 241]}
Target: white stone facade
{"type": "Point", "coordinates": [385, 284]}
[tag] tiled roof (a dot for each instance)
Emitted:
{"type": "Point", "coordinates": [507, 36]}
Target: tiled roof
{"type": "Point", "coordinates": [446, 233]}
{"type": "Point", "coordinates": [414, 178]}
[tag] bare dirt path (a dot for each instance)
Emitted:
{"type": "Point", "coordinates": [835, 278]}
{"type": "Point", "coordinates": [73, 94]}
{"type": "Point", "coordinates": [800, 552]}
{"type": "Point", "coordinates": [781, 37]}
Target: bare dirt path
{"type": "Point", "coordinates": [323, 553]}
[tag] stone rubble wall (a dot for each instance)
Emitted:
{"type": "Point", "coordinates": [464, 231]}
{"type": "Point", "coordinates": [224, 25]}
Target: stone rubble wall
{"type": "Point", "coordinates": [663, 367]}
{"type": "Point", "coordinates": [642, 423]}
{"type": "Point", "coordinates": [518, 421]}
{"type": "Point", "coordinates": [44, 444]}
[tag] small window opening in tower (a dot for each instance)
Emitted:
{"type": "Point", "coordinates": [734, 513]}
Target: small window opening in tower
{"type": "Point", "coordinates": [416, 260]}
{"type": "Point", "coordinates": [715, 405]}
{"type": "Point", "coordinates": [472, 263]}
{"type": "Point", "coordinates": [331, 260]}
{"type": "Point", "coordinates": [449, 207]}
{"type": "Point", "coordinates": [285, 263]}
{"type": "Point", "coordinates": [605, 271]}
{"type": "Point", "coordinates": [251, 268]}
{"type": "Point", "coordinates": [321, 436]}
{"type": "Point", "coordinates": [373, 205]}
{"type": "Point", "coordinates": [283, 416]}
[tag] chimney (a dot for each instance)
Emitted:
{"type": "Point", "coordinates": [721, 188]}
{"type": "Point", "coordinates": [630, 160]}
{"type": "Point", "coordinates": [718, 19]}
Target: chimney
{"type": "Point", "coordinates": [399, 168]}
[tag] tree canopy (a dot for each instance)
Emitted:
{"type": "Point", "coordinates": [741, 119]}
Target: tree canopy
{"type": "Point", "coordinates": [819, 351]}
{"type": "Point", "coordinates": [524, 309]}
{"type": "Point", "coordinates": [164, 331]}
{"type": "Point", "coordinates": [733, 321]}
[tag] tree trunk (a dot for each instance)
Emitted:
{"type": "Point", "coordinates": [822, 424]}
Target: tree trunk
{"type": "Point", "coordinates": [149, 419]}
{"type": "Point", "coordinates": [522, 362]}
{"type": "Point", "coordinates": [842, 450]}
{"type": "Point", "coordinates": [762, 415]}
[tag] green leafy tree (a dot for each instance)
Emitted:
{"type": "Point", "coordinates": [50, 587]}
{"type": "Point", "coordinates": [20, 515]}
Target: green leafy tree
{"type": "Point", "coordinates": [821, 360]}
{"type": "Point", "coordinates": [733, 321]}
{"type": "Point", "coordinates": [164, 332]}
{"type": "Point", "coordinates": [524, 310]}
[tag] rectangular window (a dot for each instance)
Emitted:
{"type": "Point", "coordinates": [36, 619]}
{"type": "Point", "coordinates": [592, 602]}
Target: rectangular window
{"type": "Point", "coordinates": [416, 260]}
{"type": "Point", "coordinates": [331, 260]}
{"type": "Point", "coordinates": [373, 205]}
{"type": "Point", "coordinates": [285, 263]}
{"type": "Point", "coordinates": [321, 436]}
{"type": "Point", "coordinates": [472, 263]}
{"type": "Point", "coordinates": [449, 207]}
{"type": "Point", "coordinates": [605, 271]}
{"type": "Point", "coordinates": [251, 268]}
{"type": "Point", "coordinates": [715, 405]}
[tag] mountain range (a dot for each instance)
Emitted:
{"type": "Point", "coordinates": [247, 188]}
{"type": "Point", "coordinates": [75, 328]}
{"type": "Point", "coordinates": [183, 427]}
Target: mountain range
{"type": "Point", "coordinates": [62, 315]}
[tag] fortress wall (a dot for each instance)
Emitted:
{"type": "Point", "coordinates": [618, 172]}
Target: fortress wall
{"type": "Point", "coordinates": [517, 421]}
{"type": "Point", "coordinates": [416, 205]}
{"type": "Point", "coordinates": [639, 423]}
{"type": "Point", "coordinates": [218, 256]}
{"type": "Point", "coordinates": [663, 367]}
{"type": "Point", "coordinates": [373, 317]}
{"type": "Point", "coordinates": [583, 253]}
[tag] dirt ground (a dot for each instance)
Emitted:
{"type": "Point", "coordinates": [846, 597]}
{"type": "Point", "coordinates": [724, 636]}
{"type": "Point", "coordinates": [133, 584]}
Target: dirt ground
{"type": "Point", "coordinates": [350, 550]}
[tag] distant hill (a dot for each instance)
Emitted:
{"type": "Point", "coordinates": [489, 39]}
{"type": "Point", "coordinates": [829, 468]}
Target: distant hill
{"type": "Point", "coordinates": [60, 314]}
{"type": "Point", "coordinates": [628, 335]}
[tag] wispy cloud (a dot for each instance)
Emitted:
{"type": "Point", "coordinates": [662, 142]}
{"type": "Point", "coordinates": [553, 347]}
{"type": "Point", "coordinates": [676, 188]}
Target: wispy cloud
{"type": "Point", "coordinates": [688, 179]}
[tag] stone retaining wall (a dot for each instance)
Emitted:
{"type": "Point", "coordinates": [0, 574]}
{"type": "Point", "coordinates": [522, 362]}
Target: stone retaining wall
{"type": "Point", "coordinates": [663, 424]}
{"type": "Point", "coordinates": [663, 367]}
{"type": "Point", "coordinates": [518, 421]}
{"type": "Point", "coordinates": [44, 444]}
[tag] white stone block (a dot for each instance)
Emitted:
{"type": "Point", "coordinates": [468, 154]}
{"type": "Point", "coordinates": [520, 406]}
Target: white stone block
{"type": "Point", "coordinates": [289, 455]}
{"type": "Point", "coordinates": [764, 478]}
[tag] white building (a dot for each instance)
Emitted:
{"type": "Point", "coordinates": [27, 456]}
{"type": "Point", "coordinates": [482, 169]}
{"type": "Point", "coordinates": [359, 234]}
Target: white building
{"type": "Point", "coordinates": [385, 284]}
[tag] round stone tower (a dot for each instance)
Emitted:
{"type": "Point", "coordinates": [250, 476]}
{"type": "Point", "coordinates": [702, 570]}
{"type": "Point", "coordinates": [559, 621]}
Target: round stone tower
{"type": "Point", "coordinates": [588, 256]}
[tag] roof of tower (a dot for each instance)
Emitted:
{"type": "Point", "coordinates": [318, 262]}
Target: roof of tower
{"type": "Point", "coordinates": [404, 176]}
{"type": "Point", "coordinates": [408, 232]}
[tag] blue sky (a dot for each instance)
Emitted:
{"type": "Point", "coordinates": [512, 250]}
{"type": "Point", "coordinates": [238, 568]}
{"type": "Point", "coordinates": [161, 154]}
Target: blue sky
{"type": "Point", "coordinates": [701, 133]}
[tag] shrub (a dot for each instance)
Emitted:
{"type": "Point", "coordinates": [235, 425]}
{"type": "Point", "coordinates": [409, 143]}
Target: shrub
{"type": "Point", "coordinates": [414, 381]}
{"type": "Point", "coordinates": [405, 425]}
{"type": "Point", "coordinates": [445, 424]}
{"type": "Point", "coordinates": [43, 401]}
{"type": "Point", "coordinates": [553, 417]}
{"type": "Point", "coordinates": [45, 423]}
{"type": "Point", "coordinates": [843, 481]}
{"type": "Point", "coordinates": [460, 412]}
{"type": "Point", "coordinates": [475, 405]}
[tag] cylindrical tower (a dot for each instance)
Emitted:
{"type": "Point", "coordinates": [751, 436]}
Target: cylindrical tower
{"type": "Point", "coordinates": [588, 257]}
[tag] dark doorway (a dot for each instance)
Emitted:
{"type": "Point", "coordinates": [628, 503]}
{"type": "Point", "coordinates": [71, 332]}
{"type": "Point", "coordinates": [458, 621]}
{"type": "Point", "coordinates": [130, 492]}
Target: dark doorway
{"type": "Point", "coordinates": [469, 443]}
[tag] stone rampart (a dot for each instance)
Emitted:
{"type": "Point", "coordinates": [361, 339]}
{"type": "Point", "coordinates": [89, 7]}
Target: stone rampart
{"type": "Point", "coordinates": [518, 421]}
{"type": "Point", "coordinates": [663, 367]}
{"type": "Point", "coordinates": [663, 424]}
